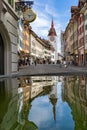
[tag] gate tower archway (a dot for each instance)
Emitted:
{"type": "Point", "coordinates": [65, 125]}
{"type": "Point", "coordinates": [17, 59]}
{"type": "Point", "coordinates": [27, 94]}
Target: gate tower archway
{"type": "Point", "coordinates": [1, 56]}
{"type": "Point", "coordinates": [5, 50]}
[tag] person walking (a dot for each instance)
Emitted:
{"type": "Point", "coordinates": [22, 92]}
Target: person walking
{"type": "Point", "coordinates": [28, 60]}
{"type": "Point", "coordinates": [35, 62]}
{"type": "Point", "coordinates": [65, 63]}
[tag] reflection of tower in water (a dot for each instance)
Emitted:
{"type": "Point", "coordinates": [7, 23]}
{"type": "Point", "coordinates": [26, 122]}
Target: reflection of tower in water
{"type": "Point", "coordinates": [53, 98]}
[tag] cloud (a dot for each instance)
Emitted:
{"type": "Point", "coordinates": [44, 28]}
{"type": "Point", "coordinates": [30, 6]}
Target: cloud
{"type": "Point", "coordinates": [40, 111]}
{"type": "Point", "coordinates": [41, 25]}
{"type": "Point", "coordinates": [51, 11]}
{"type": "Point", "coordinates": [40, 115]}
{"type": "Point", "coordinates": [39, 4]}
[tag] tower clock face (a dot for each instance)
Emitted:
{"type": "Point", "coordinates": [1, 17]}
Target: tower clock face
{"type": "Point", "coordinates": [29, 15]}
{"type": "Point", "coordinates": [52, 39]}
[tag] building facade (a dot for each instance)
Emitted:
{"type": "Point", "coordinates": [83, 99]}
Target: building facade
{"type": "Point", "coordinates": [62, 43]}
{"type": "Point", "coordinates": [36, 47]}
{"type": "Point", "coordinates": [23, 41]}
{"type": "Point", "coordinates": [81, 39]}
{"type": "Point", "coordinates": [40, 49]}
{"type": "Point", "coordinates": [77, 34]}
{"type": "Point", "coordinates": [84, 12]}
{"type": "Point", "coordinates": [8, 37]}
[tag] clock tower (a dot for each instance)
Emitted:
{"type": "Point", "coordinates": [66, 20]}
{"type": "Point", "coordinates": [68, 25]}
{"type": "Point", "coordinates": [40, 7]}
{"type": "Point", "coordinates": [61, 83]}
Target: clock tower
{"type": "Point", "coordinates": [52, 37]}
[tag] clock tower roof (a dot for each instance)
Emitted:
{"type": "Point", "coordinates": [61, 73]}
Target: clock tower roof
{"type": "Point", "coordinates": [52, 31]}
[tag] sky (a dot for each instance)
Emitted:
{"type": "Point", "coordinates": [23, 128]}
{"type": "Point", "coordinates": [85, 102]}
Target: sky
{"type": "Point", "coordinates": [45, 10]}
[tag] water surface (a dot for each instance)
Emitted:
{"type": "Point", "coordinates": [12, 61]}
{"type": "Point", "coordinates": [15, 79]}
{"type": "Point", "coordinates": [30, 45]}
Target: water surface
{"type": "Point", "coordinates": [43, 103]}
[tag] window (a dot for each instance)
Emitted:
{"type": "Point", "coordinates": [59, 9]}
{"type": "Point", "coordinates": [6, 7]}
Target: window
{"type": "Point", "coordinates": [82, 28]}
{"type": "Point", "coordinates": [11, 2]}
{"type": "Point", "coordinates": [82, 18]}
{"type": "Point", "coordinates": [86, 56]}
{"type": "Point", "coordinates": [85, 16]}
{"type": "Point", "coordinates": [86, 27]}
{"type": "Point", "coordinates": [86, 38]}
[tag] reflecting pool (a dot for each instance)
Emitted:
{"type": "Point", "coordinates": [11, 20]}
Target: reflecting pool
{"type": "Point", "coordinates": [43, 103]}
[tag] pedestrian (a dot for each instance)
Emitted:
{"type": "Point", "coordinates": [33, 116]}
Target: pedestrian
{"type": "Point", "coordinates": [35, 62]}
{"type": "Point", "coordinates": [70, 62]}
{"type": "Point", "coordinates": [28, 61]}
{"type": "Point", "coordinates": [65, 64]}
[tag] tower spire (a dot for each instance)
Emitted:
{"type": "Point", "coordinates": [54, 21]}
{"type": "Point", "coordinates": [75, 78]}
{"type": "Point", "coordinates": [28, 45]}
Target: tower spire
{"type": "Point", "coordinates": [52, 24]}
{"type": "Point", "coordinates": [52, 31]}
{"type": "Point", "coordinates": [54, 101]}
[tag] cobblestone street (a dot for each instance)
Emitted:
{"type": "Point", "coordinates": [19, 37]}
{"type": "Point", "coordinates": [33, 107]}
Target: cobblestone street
{"type": "Point", "coordinates": [45, 69]}
{"type": "Point", "coordinates": [51, 69]}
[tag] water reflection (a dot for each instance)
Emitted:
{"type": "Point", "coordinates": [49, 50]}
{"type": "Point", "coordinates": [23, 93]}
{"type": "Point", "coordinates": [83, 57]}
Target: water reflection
{"type": "Point", "coordinates": [75, 93]}
{"type": "Point", "coordinates": [24, 93]}
{"type": "Point", "coordinates": [43, 103]}
{"type": "Point", "coordinates": [8, 103]}
{"type": "Point", "coordinates": [28, 90]}
{"type": "Point", "coordinates": [49, 112]}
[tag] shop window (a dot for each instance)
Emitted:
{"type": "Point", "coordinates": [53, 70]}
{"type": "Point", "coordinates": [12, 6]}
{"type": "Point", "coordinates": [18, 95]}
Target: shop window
{"type": "Point", "coordinates": [86, 56]}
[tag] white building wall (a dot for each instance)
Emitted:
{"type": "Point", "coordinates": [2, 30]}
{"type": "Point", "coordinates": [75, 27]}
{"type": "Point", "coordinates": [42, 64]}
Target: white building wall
{"type": "Point", "coordinates": [36, 48]}
{"type": "Point", "coordinates": [47, 53]}
{"type": "Point", "coordinates": [54, 55]}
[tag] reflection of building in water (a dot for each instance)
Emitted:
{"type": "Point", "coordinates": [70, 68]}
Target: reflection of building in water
{"type": "Point", "coordinates": [24, 91]}
{"type": "Point", "coordinates": [8, 104]}
{"type": "Point", "coordinates": [74, 92]}
{"type": "Point", "coordinates": [33, 87]}
{"type": "Point", "coordinates": [38, 83]}
{"type": "Point", "coordinates": [23, 96]}
{"type": "Point", "coordinates": [86, 88]}
{"type": "Point", "coordinates": [53, 95]}
{"type": "Point", "coordinates": [29, 88]}
{"type": "Point", "coordinates": [24, 86]}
